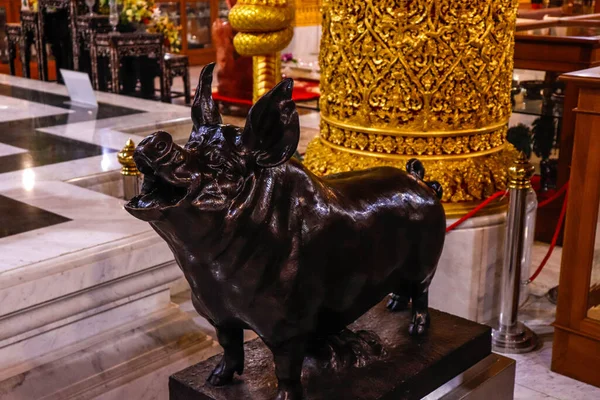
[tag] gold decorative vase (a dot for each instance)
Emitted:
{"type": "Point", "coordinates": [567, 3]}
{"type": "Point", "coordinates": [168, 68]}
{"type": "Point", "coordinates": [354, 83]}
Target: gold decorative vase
{"type": "Point", "coordinates": [426, 79]}
{"type": "Point", "coordinates": [264, 29]}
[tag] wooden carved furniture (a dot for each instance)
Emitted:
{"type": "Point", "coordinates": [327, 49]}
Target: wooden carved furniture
{"type": "Point", "coordinates": [562, 47]}
{"type": "Point", "coordinates": [195, 18]}
{"type": "Point", "coordinates": [14, 39]}
{"type": "Point", "coordinates": [57, 21]}
{"type": "Point", "coordinates": [558, 47]}
{"type": "Point", "coordinates": [115, 47]}
{"type": "Point", "coordinates": [176, 65]}
{"type": "Point", "coordinates": [87, 27]}
{"type": "Point", "coordinates": [32, 33]}
{"type": "Point", "coordinates": [576, 348]}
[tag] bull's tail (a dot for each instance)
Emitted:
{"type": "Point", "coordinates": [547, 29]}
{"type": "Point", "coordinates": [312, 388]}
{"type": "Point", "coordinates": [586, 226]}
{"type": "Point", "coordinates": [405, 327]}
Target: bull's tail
{"type": "Point", "coordinates": [416, 169]}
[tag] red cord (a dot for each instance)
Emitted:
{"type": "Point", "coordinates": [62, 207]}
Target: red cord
{"type": "Point", "coordinates": [561, 219]}
{"type": "Point", "coordinates": [487, 201]}
{"type": "Point", "coordinates": [474, 211]}
{"type": "Point", "coordinates": [555, 196]}
{"type": "Point", "coordinates": [559, 225]}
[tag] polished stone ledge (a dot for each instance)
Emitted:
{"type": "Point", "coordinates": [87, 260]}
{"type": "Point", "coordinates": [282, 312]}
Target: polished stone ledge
{"type": "Point", "coordinates": [468, 278]}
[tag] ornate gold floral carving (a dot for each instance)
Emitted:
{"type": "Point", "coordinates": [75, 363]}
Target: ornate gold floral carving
{"type": "Point", "coordinates": [463, 179]}
{"type": "Point", "coordinates": [417, 65]}
{"type": "Point", "coordinates": [308, 12]}
{"type": "Point", "coordinates": [424, 78]}
{"type": "Point", "coordinates": [426, 147]}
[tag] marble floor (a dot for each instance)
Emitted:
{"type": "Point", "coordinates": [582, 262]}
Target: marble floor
{"type": "Point", "coordinates": [46, 145]}
{"type": "Point", "coordinates": [76, 269]}
{"type": "Point", "coordinates": [534, 380]}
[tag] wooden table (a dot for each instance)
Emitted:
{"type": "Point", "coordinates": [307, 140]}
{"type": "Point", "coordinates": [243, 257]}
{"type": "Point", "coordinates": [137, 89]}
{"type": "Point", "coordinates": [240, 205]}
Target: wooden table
{"type": "Point", "coordinates": [116, 46]}
{"type": "Point", "coordinates": [33, 33]}
{"type": "Point", "coordinates": [577, 327]}
{"type": "Point", "coordinates": [64, 47]}
{"type": "Point", "coordinates": [14, 39]}
{"type": "Point", "coordinates": [559, 47]}
{"type": "Point", "coordinates": [87, 28]}
{"type": "Point", "coordinates": [176, 65]}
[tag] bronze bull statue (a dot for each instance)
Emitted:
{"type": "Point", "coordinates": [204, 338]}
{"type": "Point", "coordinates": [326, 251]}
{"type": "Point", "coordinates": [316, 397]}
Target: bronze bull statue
{"type": "Point", "coordinates": [266, 245]}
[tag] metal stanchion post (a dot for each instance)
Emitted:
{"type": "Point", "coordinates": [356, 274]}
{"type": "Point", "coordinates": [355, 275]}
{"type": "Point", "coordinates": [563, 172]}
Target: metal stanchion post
{"type": "Point", "coordinates": [510, 335]}
{"type": "Point", "coordinates": [130, 173]}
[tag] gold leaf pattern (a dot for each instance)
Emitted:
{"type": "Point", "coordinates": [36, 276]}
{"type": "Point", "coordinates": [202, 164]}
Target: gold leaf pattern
{"type": "Point", "coordinates": [424, 78]}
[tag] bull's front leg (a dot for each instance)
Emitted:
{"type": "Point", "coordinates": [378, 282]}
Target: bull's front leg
{"type": "Point", "coordinates": [232, 341]}
{"type": "Point", "coordinates": [288, 368]}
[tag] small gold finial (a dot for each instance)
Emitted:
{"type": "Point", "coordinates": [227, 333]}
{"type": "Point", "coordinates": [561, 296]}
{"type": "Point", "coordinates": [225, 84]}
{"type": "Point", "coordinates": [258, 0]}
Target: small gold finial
{"type": "Point", "coordinates": [520, 173]}
{"type": "Point", "coordinates": [125, 157]}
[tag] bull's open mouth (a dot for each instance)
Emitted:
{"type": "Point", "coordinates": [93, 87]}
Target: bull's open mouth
{"type": "Point", "coordinates": [156, 191]}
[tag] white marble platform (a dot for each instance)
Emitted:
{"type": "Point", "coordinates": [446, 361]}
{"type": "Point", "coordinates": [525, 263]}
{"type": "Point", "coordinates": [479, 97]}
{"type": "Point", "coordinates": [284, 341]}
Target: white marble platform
{"type": "Point", "coordinates": [71, 292]}
{"type": "Point", "coordinates": [12, 109]}
{"type": "Point", "coordinates": [7, 150]}
{"type": "Point", "coordinates": [94, 292]}
{"type": "Point", "coordinates": [534, 379]}
{"type": "Point", "coordinates": [73, 295]}
{"type": "Point", "coordinates": [468, 277]}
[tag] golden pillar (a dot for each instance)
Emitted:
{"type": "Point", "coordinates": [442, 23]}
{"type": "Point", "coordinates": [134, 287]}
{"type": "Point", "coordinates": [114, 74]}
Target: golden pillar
{"type": "Point", "coordinates": [429, 79]}
{"type": "Point", "coordinates": [264, 29]}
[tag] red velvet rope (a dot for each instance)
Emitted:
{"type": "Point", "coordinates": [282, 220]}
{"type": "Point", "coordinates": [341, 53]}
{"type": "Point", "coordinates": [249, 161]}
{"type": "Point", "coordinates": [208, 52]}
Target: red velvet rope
{"type": "Point", "coordinates": [555, 196]}
{"type": "Point", "coordinates": [474, 211]}
{"type": "Point", "coordinates": [561, 219]}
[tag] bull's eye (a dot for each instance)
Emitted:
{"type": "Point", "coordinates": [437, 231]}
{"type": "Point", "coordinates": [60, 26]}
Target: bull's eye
{"type": "Point", "coordinates": [160, 146]}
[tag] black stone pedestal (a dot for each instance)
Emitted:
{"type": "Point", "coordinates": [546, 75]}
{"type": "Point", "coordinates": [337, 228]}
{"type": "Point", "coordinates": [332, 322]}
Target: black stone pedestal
{"type": "Point", "coordinates": [411, 369]}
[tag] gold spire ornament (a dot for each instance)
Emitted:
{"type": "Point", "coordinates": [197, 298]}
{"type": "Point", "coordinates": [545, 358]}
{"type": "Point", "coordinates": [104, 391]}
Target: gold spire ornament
{"type": "Point", "coordinates": [130, 174]}
{"type": "Point", "coordinates": [429, 79]}
{"type": "Point", "coordinates": [264, 29]}
{"type": "Point", "coordinates": [520, 173]}
{"type": "Point", "coordinates": [125, 157]}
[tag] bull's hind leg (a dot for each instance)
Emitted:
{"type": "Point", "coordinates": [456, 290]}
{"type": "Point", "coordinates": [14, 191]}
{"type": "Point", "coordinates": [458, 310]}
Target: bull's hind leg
{"type": "Point", "coordinates": [288, 359]}
{"type": "Point", "coordinates": [232, 341]}
{"type": "Point", "coordinates": [399, 299]}
{"type": "Point", "coordinates": [419, 294]}
{"type": "Point", "coordinates": [420, 310]}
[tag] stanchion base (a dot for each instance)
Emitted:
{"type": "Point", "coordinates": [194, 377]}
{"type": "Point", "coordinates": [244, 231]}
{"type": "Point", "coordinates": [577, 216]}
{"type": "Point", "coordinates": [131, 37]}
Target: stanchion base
{"type": "Point", "coordinates": [552, 295]}
{"type": "Point", "coordinates": [513, 340]}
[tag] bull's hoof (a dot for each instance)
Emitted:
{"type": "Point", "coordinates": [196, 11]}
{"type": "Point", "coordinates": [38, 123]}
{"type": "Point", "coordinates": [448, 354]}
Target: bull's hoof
{"type": "Point", "coordinates": [289, 393]}
{"type": "Point", "coordinates": [222, 374]}
{"type": "Point", "coordinates": [419, 324]}
{"type": "Point", "coordinates": [219, 379]}
{"type": "Point", "coordinates": [397, 303]}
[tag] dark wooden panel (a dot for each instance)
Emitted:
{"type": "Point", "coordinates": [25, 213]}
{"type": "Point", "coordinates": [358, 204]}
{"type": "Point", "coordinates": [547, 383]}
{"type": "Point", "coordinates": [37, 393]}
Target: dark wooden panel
{"type": "Point", "coordinates": [412, 368]}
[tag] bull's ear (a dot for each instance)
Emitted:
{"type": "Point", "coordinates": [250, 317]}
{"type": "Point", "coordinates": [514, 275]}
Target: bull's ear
{"type": "Point", "coordinates": [272, 129]}
{"type": "Point", "coordinates": [204, 109]}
